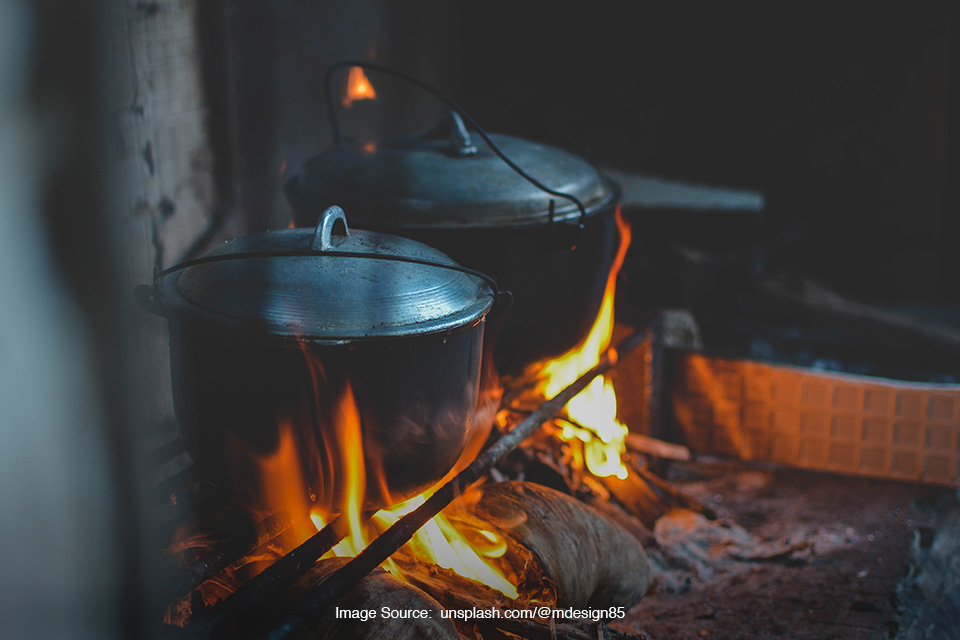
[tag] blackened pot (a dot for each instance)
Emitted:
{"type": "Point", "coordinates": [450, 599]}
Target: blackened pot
{"type": "Point", "coordinates": [456, 194]}
{"type": "Point", "coordinates": [321, 334]}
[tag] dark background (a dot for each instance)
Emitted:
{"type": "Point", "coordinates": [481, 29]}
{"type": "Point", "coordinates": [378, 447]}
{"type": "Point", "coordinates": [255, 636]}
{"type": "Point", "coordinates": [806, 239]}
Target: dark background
{"type": "Point", "coordinates": [839, 114]}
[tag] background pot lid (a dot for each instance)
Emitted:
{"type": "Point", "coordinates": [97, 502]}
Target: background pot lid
{"type": "Point", "coordinates": [328, 286]}
{"type": "Point", "coordinates": [436, 181]}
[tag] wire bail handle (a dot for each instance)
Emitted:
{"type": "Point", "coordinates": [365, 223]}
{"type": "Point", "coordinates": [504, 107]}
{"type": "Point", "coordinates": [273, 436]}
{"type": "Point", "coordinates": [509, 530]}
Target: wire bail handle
{"type": "Point", "coordinates": [464, 116]}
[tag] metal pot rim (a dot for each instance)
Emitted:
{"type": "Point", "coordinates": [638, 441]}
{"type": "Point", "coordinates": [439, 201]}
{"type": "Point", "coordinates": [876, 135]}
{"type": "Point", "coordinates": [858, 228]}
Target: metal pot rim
{"type": "Point", "coordinates": [323, 287]}
{"type": "Point", "coordinates": [419, 183]}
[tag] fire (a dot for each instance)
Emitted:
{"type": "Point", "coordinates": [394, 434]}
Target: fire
{"type": "Point", "coordinates": [438, 542]}
{"type": "Point", "coordinates": [358, 87]}
{"type": "Point", "coordinates": [593, 412]}
{"type": "Point", "coordinates": [319, 469]}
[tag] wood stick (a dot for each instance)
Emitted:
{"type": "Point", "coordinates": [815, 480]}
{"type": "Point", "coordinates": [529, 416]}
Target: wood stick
{"type": "Point", "coordinates": [625, 519]}
{"type": "Point", "coordinates": [397, 535]}
{"type": "Point", "coordinates": [192, 576]}
{"type": "Point", "coordinates": [536, 630]}
{"type": "Point", "coordinates": [682, 498]}
{"type": "Point", "coordinates": [456, 592]}
{"type": "Point", "coordinates": [636, 496]}
{"type": "Point", "coordinates": [657, 448]}
{"type": "Point", "coordinates": [280, 574]}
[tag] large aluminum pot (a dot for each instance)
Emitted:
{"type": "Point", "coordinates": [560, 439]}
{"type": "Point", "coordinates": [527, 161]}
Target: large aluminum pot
{"type": "Point", "coordinates": [270, 329]}
{"type": "Point", "coordinates": [552, 249]}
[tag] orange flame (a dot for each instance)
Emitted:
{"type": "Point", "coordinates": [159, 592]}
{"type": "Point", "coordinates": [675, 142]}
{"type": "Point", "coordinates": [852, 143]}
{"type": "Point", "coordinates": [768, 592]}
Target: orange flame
{"type": "Point", "coordinates": [285, 485]}
{"type": "Point", "coordinates": [593, 412]}
{"type": "Point", "coordinates": [358, 87]}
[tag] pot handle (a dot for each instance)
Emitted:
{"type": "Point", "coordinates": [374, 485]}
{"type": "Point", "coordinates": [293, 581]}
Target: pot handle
{"type": "Point", "coordinates": [502, 302]}
{"type": "Point", "coordinates": [323, 236]}
{"type": "Point", "coordinates": [335, 127]}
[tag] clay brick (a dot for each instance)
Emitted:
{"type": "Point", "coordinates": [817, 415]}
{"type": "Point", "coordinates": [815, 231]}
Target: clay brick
{"type": "Point", "coordinates": [844, 427]}
{"type": "Point", "coordinates": [910, 404]}
{"type": "Point", "coordinates": [696, 377]}
{"type": "Point", "coordinates": [723, 444]}
{"type": "Point", "coordinates": [759, 386]}
{"type": "Point", "coordinates": [730, 384]}
{"type": "Point", "coordinates": [786, 388]}
{"type": "Point", "coordinates": [846, 398]}
{"type": "Point", "coordinates": [877, 401]}
{"type": "Point", "coordinates": [814, 424]}
{"type": "Point", "coordinates": [906, 464]}
{"type": "Point", "coordinates": [906, 434]}
{"type": "Point", "coordinates": [728, 415]}
{"type": "Point", "coordinates": [783, 448]}
{"type": "Point", "coordinates": [876, 431]}
{"type": "Point", "coordinates": [813, 452]}
{"type": "Point", "coordinates": [814, 421]}
{"type": "Point", "coordinates": [701, 411]}
{"type": "Point", "coordinates": [756, 444]}
{"type": "Point", "coordinates": [815, 394]}
{"type": "Point", "coordinates": [873, 459]}
{"type": "Point", "coordinates": [786, 421]}
{"type": "Point", "coordinates": [842, 456]}
{"type": "Point", "coordinates": [756, 416]}
{"type": "Point", "coordinates": [939, 438]}
{"type": "Point", "coordinates": [943, 408]}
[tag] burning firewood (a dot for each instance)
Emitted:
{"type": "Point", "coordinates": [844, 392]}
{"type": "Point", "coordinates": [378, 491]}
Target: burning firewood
{"type": "Point", "coordinates": [378, 606]}
{"type": "Point", "coordinates": [590, 559]}
{"type": "Point", "coordinates": [341, 581]}
{"type": "Point", "coordinates": [636, 496]}
{"type": "Point", "coordinates": [458, 593]}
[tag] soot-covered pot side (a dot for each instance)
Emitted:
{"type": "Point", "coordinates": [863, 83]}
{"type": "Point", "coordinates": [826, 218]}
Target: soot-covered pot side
{"type": "Point", "coordinates": [294, 329]}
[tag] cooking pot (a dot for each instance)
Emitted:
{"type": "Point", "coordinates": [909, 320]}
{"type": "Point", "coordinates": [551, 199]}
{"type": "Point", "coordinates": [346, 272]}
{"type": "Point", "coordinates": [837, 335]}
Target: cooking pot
{"type": "Point", "coordinates": [545, 232]}
{"type": "Point", "coordinates": [296, 327]}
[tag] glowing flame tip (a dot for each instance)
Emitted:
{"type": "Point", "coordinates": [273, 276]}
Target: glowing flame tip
{"type": "Point", "coordinates": [358, 87]}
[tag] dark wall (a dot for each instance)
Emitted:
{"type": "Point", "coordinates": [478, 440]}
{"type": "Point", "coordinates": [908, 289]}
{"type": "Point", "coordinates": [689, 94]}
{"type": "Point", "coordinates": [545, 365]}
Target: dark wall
{"type": "Point", "coordinates": [275, 57]}
{"type": "Point", "coordinates": [839, 113]}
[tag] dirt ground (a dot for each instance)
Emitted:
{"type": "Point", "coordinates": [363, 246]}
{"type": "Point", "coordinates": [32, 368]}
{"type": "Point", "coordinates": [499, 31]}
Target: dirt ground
{"type": "Point", "coordinates": [793, 554]}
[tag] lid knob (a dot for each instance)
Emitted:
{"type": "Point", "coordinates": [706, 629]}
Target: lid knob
{"type": "Point", "coordinates": [323, 236]}
{"type": "Point", "coordinates": [460, 136]}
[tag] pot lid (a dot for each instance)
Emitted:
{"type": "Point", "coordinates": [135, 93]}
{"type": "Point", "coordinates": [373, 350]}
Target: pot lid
{"type": "Point", "coordinates": [444, 179]}
{"type": "Point", "coordinates": [329, 284]}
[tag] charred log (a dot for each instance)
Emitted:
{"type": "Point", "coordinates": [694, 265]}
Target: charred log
{"type": "Point", "coordinates": [592, 561]}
